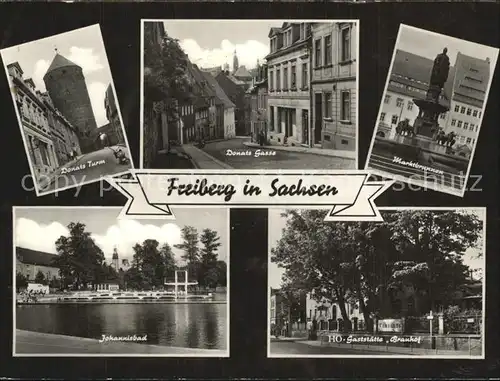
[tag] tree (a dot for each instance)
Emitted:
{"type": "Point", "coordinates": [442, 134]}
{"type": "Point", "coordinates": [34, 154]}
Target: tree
{"type": "Point", "coordinates": [221, 273]}
{"type": "Point", "coordinates": [208, 273]}
{"type": "Point", "coordinates": [311, 252]}
{"type": "Point", "coordinates": [21, 281]}
{"type": "Point", "coordinates": [148, 266]}
{"type": "Point", "coordinates": [431, 245]}
{"type": "Point", "coordinates": [79, 259]}
{"type": "Point", "coordinates": [40, 278]}
{"type": "Point", "coordinates": [168, 260]}
{"type": "Point", "coordinates": [368, 263]}
{"type": "Point", "coordinates": [165, 69]}
{"type": "Point", "coordinates": [191, 250]}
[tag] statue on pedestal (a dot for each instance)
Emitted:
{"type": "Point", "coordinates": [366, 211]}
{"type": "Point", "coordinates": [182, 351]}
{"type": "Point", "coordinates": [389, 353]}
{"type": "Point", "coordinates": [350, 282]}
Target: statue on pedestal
{"type": "Point", "coordinates": [440, 70]}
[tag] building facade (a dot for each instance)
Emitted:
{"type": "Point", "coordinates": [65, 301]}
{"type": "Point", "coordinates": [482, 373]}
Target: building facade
{"type": "Point", "coordinates": [470, 84]}
{"type": "Point", "coordinates": [409, 80]}
{"type": "Point", "coordinates": [64, 135]}
{"type": "Point", "coordinates": [235, 91]}
{"type": "Point", "coordinates": [327, 314]}
{"type": "Point", "coordinates": [288, 84]}
{"type": "Point", "coordinates": [115, 133]}
{"type": "Point", "coordinates": [334, 85]}
{"type": "Point", "coordinates": [35, 123]}
{"type": "Point", "coordinates": [66, 86]}
{"type": "Point", "coordinates": [258, 110]}
{"type": "Point", "coordinates": [30, 262]}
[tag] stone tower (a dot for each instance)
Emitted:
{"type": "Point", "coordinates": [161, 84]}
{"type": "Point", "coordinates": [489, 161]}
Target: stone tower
{"type": "Point", "coordinates": [115, 263]}
{"type": "Point", "coordinates": [235, 62]}
{"type": "Point", "coordinates": [66, 86]}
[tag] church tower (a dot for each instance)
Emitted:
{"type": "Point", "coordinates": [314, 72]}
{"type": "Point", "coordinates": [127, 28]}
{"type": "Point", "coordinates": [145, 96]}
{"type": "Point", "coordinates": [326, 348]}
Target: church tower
{"type": "Point", "coordinates": [115, 260]}
{"type": "Point", "coordinates": [66, 86]}
{"type": "Point", "coordinates": [235, 62]}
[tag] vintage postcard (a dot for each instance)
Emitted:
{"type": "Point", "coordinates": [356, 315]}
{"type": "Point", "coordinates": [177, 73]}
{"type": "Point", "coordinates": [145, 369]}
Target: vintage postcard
{"type": "Point", "coordinates": [431, 110]}
{"type": "Point", "coordinates": [89, 284]}
{"type": "Point", "coordinates": [249, 94]}
{"type": "Point", "coordinates": [412, 286]}
{"type": "Point", "coordinates": [67, 110]}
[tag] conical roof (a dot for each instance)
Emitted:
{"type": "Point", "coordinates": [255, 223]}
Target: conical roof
{"type": "Point", "coordinates": [58, 62]}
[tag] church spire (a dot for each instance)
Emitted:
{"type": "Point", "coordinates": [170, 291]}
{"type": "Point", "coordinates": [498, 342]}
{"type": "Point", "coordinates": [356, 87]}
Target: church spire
{"type": "Point", "coordinates": [235, 62]}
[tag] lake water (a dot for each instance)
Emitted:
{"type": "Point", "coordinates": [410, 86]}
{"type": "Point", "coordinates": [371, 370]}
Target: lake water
{"type": "Point", "coordinates": [193, 325]}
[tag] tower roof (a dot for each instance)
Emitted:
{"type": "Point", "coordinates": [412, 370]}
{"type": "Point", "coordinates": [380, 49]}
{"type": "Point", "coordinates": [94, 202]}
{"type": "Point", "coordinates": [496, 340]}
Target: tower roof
{"type": "Point", "coordinates": [59, 62]}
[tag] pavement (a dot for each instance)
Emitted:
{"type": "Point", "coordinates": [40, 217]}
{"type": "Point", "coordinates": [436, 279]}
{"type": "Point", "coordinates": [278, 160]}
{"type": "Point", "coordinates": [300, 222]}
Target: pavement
{"type": "Point", "coordinates": [29, 343]}
{"type": "Point", "coordinates": [85, 168]}
{"type": "Point", "coordinates": [309, 150]}
{"type": "Point", "coordinates": [240, 153]}
{"type": "Point", "coordinates": [304, 346]}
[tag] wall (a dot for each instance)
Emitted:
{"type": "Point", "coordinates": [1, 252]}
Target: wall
{"type": "Point", "coordinates": [281, 94]}
{"type": "Point", "coordinates": [229, 123]}
{"type": "Point", "coordinates": [467, 134]}
{"type": "Point", "coordinates": [336, 74]}
{"type": "Point", "coordinates": [30, 271]}
{"type": "Point", "coordinates": [68, 91]}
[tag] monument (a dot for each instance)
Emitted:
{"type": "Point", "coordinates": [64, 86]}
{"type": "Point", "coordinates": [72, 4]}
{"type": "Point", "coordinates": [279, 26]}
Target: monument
{"type": "Point", "coordinates": [426, 124]}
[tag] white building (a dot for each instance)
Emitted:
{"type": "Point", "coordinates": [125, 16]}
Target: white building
{"type": "Point", "coordinates": [288, 84]}
{"type": "Point", "coordinates": [327, 313]}
{"type": "Point", "coordinates": [471, 80]}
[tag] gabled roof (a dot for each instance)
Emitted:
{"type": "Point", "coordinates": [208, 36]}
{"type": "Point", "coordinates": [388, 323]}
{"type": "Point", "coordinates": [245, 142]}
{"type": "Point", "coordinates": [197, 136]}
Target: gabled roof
{"type": "Point", "coordinates": [34, 257]}
{"type": "Point", "coordinates": [242, 72]}
{"type": "Point", "coordinates": [16, 64]}
{"type": "Point", "coordinates": [59, 62]}
{"type": "Point", "coordinates": [274, 31]}
{"type": "Point", "coordinates": [220, 94]}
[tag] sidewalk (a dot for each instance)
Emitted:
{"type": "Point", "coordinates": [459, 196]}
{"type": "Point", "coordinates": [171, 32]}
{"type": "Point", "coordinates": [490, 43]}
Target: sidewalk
{"type": "Point", "coordinates": [50, 178]}
{"type": "Point", "coordinates": [202, 160]}
{"type": "Point", "coordinates": [386, 348]}
{"type": "Point", "coordinates": [28, 343]}
{"type": "Point", "coordinates": [313, 150]}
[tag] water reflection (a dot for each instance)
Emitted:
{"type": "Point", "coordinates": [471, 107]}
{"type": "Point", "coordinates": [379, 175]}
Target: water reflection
{"type": "Point", "coordinates": [182, 325]}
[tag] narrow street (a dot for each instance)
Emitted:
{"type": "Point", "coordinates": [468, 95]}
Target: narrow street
{"type": "Point", "coordinates": [88, 167]}
{"type": "Point", "coordinates": [251, 158]}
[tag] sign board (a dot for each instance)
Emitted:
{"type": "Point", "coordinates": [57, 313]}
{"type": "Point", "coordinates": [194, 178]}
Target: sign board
{"type": "Point", "coordinates": [390, 325]}
{"type": "Point", "coordinates": [470, 320]}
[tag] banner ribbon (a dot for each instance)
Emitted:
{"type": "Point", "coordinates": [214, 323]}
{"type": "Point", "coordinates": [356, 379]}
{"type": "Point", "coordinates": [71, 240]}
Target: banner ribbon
{"type": "Point", "coordinates": [349, 194]}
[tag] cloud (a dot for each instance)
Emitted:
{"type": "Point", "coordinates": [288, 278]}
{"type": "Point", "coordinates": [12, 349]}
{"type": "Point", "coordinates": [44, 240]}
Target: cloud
{"type": "Point", "coordinates": [31, 235]}
{"type": "Point", "coordinates": [97, 93]}
{"type": "Point", "coordinates": [247, 53]}
{"type": "Point", "coordinates": [85, 58]}
{"type": "Point", "coordinates": [123, 235]}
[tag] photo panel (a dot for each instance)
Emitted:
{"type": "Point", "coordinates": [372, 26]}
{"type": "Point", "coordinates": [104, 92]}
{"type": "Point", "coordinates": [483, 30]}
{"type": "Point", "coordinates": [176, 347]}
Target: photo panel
{"type": "Point", "coordinates": [89, 284]}
{"type": "Point", "coordinates": [67, 110]}
{"type": "Point", "coordinates": [412, 286]}
{"type": "Point", "coordinates": [431, 110]}
{"type": "Point", "coordinates": [249, 94]}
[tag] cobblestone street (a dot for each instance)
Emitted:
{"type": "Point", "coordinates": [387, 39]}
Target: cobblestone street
{"type": "Point", "coordinates": [227, 152]}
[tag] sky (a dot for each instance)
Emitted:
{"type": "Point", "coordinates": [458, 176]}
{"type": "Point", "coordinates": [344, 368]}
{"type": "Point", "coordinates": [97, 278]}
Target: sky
{"type": "Point", "coordinates": [39, 228]}
{"type": "Point", "coordinates": [84, 47]}
{"type": "Point", "coordinates": [214, 42]}
{"type": "Point", "coordinates": [428, 44]}
{"type": "Point", "coordinates": [277, 223]}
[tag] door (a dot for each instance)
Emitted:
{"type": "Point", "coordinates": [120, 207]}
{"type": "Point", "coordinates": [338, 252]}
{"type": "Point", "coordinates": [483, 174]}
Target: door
{"type": "Point", "coordinates": [318, 117]}
{"type": "Point", "coordinates": [305, 127]}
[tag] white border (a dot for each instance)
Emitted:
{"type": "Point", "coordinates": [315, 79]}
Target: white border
{"type": "Point", "coordinates": [118, 208]}
{"type": "Point", "coordinates": [118, 109]}
{"type": "Point", "coordinates": [364, 355]}
{"type": "Point", "coordinates": [141, 125]}
{"type": "Point", "coordinates": [425, 184]}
